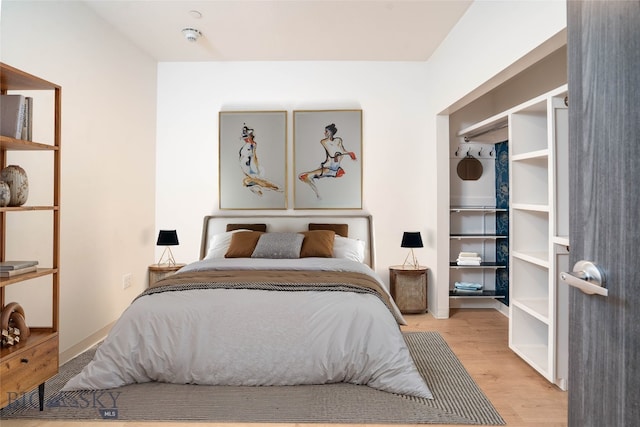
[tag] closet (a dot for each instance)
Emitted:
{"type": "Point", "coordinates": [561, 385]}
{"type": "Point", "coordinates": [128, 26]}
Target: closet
{"type": "Point", "coordinates": [478, 217]}
{"type": "Point", "coordinates": [524, 215]}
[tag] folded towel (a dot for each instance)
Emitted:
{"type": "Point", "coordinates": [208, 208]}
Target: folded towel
{"type": "Point", "coordinates": [467, 291]}
{"type": "Point", "coordinates": [468, 254]}
{"type": "Point", "coordinates": [468, 286]}
{"type": "Point", "coordinates": [469, 258]}
{"type": "Point", "coordinates": [465, 262]}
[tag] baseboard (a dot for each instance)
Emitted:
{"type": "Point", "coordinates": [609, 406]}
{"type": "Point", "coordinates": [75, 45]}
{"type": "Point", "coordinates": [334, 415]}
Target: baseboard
{"type": "Point", "coordinates": [441, 314]}
{"type": "Point", "coordinates": [504, 309]}
{"type": "Point", "coordinates": [86, 343]}
{"type": "Point", "coordinates": [472, 303]}
{"type": "Point", "coordinates": [479, 303]}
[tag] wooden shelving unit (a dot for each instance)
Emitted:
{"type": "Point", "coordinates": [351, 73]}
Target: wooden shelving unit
{"type": "Point", "coordinates": [33, 360]}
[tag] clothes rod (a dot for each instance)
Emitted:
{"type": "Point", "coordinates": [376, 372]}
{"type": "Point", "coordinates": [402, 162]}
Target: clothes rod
{"type": "Point", "coordinates": [498, 127]}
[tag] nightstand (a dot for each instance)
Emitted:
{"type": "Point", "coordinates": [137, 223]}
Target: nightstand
{"type": "Point", "coordinates": [409, 288]}
{"type": "Point", "coordinates": [157, 272]}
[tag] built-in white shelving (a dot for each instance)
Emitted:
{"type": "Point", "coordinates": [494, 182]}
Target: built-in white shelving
{"type": "Point", "coordinates": [537, 133]}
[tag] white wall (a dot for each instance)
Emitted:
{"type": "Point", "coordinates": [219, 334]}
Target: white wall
{"type": "Point", "coordinates": [391, 95]}
{"type": "Point", "coordinates": [108, 160]}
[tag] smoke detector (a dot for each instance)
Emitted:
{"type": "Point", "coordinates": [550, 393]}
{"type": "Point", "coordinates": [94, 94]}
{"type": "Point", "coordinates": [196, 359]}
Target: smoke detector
{"type": "Point", "coordinates": [191, 34]}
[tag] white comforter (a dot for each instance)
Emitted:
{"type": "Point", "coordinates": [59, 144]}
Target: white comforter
{"type": "Point", "coordinates": [256, 337]}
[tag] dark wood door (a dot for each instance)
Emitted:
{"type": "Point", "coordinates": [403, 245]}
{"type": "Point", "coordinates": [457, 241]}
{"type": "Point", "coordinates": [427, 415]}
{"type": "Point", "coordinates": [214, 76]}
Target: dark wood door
{"type": "Point", "coordinates": [604, 168]}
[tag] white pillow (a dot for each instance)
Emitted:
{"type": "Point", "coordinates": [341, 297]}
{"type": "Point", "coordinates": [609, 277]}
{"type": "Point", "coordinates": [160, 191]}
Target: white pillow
{"type": "Point", "coordinates": [344, 247]}
{"type": "Point", "coordinates": [219, 244]}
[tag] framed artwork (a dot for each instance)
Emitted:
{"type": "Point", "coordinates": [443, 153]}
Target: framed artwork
{"type": "Point", "coordinates": [252, 151]}
{"type": "Point", "coordinates": [327, 151]}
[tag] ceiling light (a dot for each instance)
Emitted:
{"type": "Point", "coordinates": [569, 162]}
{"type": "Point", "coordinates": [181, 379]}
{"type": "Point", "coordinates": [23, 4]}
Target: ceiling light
{"type": "Point", "coordinates": [191, 34]}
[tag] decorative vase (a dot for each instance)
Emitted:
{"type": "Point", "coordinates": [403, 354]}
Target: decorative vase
{"type": "Point", "coordinates": [5, 194]}
{"type": "Point", "coordinates": [17, 180]}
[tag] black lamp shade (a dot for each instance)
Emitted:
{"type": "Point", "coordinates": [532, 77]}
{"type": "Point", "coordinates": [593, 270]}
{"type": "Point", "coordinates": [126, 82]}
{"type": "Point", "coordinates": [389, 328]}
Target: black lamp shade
{"type": "Point", "coordinates": [167, 238]}
{"type": "Point", "coordinates": [411, 240]}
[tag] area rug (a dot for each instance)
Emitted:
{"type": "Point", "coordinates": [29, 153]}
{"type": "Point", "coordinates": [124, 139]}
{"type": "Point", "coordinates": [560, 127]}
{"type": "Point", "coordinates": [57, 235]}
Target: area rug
{"type": "Point", "coordinates": [457, 399]}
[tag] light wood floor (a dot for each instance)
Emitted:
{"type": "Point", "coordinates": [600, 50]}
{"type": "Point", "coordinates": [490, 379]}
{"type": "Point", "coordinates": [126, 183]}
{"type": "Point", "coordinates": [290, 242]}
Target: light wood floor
{"type": "Point", "coordinates": [479, 339]}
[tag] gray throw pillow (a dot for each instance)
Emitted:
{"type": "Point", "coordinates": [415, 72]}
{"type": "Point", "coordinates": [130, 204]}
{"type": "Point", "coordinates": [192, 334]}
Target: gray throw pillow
{"type": "Point", "coordinates": [278, 245]}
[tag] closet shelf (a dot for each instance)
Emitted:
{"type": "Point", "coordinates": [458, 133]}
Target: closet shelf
{"type": "Point", "coordinates": [458, 209]}
{"type": "Point", "coordinates": [478, 236]}
{"type": "Point", "coordinates": [535, 355]}
{"type": "Point", "coordinates": [531, 155]}
{"type": "Point", "coordinates": [540, 258]}
{"type": "Point", "coordinates": [535, 307]}
{"type": "Point", "coordinates": [484, 294]}
{"type": "Point", "coordinates": [494, 129]}
{"type": "Point", "coordinates": [530, 207]}
{"type": "Point", "coordinates": [490, 265]}
{"type": "Point", "coordinates": [561, 240]}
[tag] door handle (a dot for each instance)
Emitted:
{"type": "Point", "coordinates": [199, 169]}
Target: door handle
{"type": "Point", "coordinates": [587, 277]}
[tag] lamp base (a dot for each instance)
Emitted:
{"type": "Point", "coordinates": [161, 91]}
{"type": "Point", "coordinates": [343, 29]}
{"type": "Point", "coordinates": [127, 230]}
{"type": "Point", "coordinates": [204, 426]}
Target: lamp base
{"type": "Point", "coordinates": [411, 263]}
{"type": "Point", "coordinates": [167, 257]}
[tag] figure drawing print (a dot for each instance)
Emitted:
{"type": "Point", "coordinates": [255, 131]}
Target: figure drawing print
{"type": "Point", "coordinates": [254, 175]}
{"type": "Point", "coordinates": [331, 166]}
{"type": "Point", "coordinates": [252, 154]}
{"type": "Point", "coordinates": [327, 159]}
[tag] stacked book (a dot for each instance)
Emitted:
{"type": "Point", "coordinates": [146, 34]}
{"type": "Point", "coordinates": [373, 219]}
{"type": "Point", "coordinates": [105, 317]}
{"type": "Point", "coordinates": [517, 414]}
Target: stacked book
{"type": "Point", "coordinates": [469, 258]}
{"type": "Point", "coordinates": [467, 288]}
{"type": "Point", "coordinates": [15, 268]}
{"type": "Point", "coordinates": [16, 116]}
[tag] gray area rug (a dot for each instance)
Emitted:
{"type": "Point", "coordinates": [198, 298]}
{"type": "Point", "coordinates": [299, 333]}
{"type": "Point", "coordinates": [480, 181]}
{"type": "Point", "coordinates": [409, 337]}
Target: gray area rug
{"type": "Point", "coordinates": [457, 399]}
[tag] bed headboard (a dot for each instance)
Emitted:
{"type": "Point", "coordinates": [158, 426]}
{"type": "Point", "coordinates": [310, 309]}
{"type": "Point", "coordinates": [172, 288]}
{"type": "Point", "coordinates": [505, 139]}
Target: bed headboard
{"type": "Point", "coordinates": [360, 227]}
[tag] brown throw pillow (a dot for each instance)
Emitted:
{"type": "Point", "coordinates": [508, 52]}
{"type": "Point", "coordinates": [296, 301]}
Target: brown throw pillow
{"type": "Point", "coordinates": [254, 227]}
{"type": "Point", "coordinates": [242, 244]}
{"type": "Point", "coordinates": [317, 243]}
{"type": "Point", "coordinates": [339, 229]}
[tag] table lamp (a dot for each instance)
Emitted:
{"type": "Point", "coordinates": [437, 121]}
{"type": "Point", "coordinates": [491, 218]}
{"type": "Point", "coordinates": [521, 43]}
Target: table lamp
{"type": "Point", "coordinates": [167, 238]}
{"type": "Point", "coordinates": [411, 240]}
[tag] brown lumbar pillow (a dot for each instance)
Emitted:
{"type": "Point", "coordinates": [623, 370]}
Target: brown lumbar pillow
{"type": "Point", "coordinates": [254, 227]}
{"type": "Point", "coordinates": [339, 229]}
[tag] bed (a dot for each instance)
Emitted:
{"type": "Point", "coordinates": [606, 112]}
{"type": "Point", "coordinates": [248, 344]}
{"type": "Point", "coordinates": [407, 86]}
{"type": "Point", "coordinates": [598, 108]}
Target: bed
{"type": "Point", "coordinates": [274, 300]}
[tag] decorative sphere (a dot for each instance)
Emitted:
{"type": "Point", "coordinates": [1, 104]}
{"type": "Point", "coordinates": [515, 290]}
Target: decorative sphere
{"type": "Point", "coordinates": [17, 180]}
{"type": "Point", "coordinates": [5, 194]}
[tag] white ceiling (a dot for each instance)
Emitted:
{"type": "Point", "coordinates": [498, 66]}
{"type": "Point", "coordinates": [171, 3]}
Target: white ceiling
{"type": "Point", "coordinates": [285, 30]}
